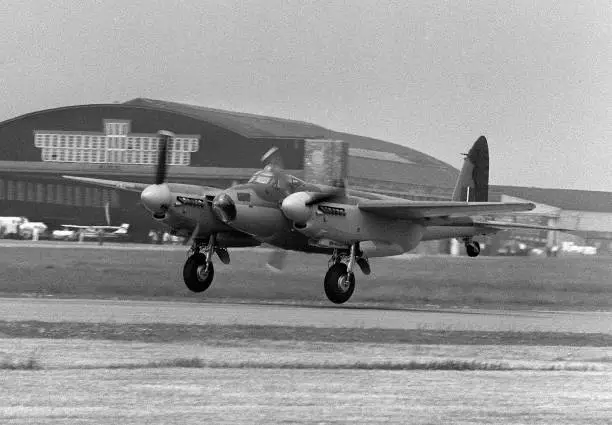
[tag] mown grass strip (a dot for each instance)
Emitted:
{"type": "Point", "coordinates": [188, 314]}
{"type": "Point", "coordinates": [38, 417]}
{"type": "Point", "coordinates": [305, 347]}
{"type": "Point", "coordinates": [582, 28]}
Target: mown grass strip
{"type": "Point", "coordinates": [503, 282]}
{"type": "Point", "coordinates": [197, 363]}
{"type": "Point", "coordinates": [212, 333]}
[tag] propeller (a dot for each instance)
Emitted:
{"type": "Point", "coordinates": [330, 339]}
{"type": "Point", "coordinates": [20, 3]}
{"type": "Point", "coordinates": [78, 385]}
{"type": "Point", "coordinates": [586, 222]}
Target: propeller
{"type": "Point", "coordinates": [193, 235]}
{"type": "Point", "coordinates": [276, 259]}
{"type": "Point", "coordinates": [157, 197]}
{"type": "Point", "coordinates": [164, 139]}
{"type": "Point", "coordinates": [107, 213]}
{"type": "Point", "coordinates": [326, 165]}
{"type": "Point", "coordinates": [273, 159]}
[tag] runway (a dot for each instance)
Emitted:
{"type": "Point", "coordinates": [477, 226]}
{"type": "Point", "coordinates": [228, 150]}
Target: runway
{"type": "Point", "coordinates": [204, 313]}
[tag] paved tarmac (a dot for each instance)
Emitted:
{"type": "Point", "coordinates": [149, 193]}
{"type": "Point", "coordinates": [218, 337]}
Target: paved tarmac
{"type": "Point", "coordinates": [202, 313]}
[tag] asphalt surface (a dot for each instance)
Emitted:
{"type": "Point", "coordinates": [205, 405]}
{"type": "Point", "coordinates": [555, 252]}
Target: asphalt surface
{"type": "Point", "coordinates": [129, 311]}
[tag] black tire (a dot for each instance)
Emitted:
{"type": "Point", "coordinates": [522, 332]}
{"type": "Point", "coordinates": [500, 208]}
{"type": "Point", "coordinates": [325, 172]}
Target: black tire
{"type": "Point", "coordinates": [191, 276]}
{"type": "Point", "coordinates": [472, 249]}
{"type": "Point", "coordinates": [334, 291]}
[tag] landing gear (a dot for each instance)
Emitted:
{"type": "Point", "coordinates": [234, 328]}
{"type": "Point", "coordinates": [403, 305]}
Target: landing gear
{"type": "Point", "coordinates": [199, 272]}
{"type": "Point", "coordinates": [472, 248]}
{"type": "Point", "coordinates": [339, 282]}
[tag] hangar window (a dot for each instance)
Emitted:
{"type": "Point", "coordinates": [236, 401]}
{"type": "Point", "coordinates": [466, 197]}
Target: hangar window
{"type": "Point", "coordinates": [40, 192]}
{"type": "Point", "coordinates": [95, 197]}
{"type": "Point", "coordinates": [68, 199]}
{"type": "Point", "coordinates": [31, 194]}
{"type": "Point", "coordinates": [10, 190]}
{"type": "Point", "coordinates": [87, 200]}
{"type": "Point", "coordinates": [59, 194]}
{"type": "Point", "coordinates": [21, 191]}
{"type": "Point", "coordinates": [78, 196]}
{"type": "Point", "coordinates": [50, 194]}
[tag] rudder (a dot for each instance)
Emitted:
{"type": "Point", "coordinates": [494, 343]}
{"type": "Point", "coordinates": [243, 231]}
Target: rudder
{"type": "Point", "coordinates": [474, 174]}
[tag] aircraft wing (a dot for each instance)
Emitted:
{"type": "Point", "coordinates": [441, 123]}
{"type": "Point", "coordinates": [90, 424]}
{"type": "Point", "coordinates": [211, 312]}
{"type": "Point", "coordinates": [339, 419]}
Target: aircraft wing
{"type": "Point", "coordinates": [116, 184]}
{"type": "Point", "coordinates": [414, 210]}
{"type": "Point", "coordinates": [505, 225]}
{"type": "Point", "coordinates": [78, 226]}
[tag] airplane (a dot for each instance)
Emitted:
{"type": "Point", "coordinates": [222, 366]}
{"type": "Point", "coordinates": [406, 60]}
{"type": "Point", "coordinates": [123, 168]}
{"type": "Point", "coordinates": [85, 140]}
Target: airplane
{"type": "Point", "coordinates": [76, 231]}
{"type": "Point", "coordinates": [72, 231]}
{"type": "Point", "coordinates": [324, 216]}
{"type": "Point", "coordinates": [21, 227]}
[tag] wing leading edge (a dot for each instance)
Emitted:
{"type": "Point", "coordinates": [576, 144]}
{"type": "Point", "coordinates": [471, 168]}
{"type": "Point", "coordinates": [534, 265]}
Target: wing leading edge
{"type": "Point", "coordinates": [414, 210]}
{"type": "Point", "coordinates": [116, 184]}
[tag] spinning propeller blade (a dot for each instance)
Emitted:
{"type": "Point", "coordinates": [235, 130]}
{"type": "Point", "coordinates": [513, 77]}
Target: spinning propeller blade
{"type": "Point", "coordinates": [276, 260]}
{"type": "Point", "coordinates": [157, 197]}
{"type": "Point", "coordinates": [162, 169]}
{"type": "Point", "coordinates": [107, 213]}
{"type": "Point", "coordinates": [273, 159]}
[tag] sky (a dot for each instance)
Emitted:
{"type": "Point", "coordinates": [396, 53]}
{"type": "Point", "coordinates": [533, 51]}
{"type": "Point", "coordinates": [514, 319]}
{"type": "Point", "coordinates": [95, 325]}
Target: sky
{"type": "Point", "coordinates": [534, 77]}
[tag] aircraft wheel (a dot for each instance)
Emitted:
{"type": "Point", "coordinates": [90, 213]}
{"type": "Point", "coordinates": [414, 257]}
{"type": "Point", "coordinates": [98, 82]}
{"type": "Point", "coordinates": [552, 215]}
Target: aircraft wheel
{"type": "Point", "coordinates": [472, 249]}
{"type": "Point", "coordinates": [197, 276]}
{"type": "Point", "coordinates": [339, 285]}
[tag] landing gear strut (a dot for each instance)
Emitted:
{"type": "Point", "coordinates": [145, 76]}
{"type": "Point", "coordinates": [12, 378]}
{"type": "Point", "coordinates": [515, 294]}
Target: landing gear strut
{"type": "Point", "coordinates": [472, 247]}
{"type": "Point", "coordinates": [198, 272]}
{"type": "Point", "coordinates": [339, 282]}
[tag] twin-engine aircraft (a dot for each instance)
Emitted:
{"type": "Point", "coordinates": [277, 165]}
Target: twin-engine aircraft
{"type": "Point", "coordinates": [320, 216]}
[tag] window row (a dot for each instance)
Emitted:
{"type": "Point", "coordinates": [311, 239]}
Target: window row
{"type": "Point", "coordinates": [63, 194]}
{"type": "Point", "coordinates": [49, 140]}
{"type": "Point", "coordinates": [113, 127]}
{"type": "Point", "coordinates": [104, 156]}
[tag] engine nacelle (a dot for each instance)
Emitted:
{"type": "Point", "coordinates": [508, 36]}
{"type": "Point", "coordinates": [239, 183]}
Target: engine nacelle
{"type": "Point", "coordinates": [296, 209]}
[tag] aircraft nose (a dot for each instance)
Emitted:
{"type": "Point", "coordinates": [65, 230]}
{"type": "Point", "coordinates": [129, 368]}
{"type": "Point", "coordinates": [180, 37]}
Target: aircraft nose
{"type": "Point", "coordinates": [156, 198]}
{"type": "Point", "coordinates": [224, 207]}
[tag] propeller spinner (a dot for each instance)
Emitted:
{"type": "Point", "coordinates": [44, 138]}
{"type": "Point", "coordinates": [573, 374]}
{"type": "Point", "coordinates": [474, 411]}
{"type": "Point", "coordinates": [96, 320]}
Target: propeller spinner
{"type": "Point", "coordinates": [157, 197]}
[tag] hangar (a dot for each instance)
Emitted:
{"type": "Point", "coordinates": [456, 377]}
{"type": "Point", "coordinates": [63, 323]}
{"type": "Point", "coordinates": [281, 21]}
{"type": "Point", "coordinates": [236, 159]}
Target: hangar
{"type": "Point", "coordinates": [215, 147]}
{"type": "Point", "coordinates": [212, 147]}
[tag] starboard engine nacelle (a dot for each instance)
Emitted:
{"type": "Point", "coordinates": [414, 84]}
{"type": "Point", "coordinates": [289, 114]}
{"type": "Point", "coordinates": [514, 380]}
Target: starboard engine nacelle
{"type": "Point", "coordinates": [297, 208]}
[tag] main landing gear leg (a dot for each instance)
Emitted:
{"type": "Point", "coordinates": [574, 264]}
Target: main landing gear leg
{"type": "Point", "coordinates": [339, 283]}
{"type": "Point", "coordinates": [198, 272]}
{"type": "Point", "coordinates": [471, 247]}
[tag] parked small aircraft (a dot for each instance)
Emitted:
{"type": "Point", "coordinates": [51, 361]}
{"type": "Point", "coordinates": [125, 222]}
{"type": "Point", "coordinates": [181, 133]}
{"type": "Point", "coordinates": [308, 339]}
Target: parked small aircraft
{"type": "Point", "coordinates": [325, 217]}
{"type": "Point", "coordinates": [74, 231]}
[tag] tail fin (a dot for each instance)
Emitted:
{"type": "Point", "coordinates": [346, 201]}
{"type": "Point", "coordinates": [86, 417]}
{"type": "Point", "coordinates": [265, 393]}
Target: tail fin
{"type": "Point", "coordinates": [473, 182]}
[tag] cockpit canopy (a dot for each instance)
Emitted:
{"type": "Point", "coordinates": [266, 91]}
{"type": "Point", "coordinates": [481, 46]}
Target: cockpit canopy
{"type": "Point", "coordinates": [282, 181]}
{"type": "Point", "coordinates": [262, 177]}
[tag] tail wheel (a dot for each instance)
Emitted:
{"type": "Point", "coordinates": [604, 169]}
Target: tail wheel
{"type": "Point", "coordinates": [339, 285]}
{"type": "Point", "coordinates": [198, 275]}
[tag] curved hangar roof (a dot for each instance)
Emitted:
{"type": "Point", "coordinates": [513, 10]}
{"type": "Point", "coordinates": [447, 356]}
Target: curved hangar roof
{"type": "Point", "coordinates": [401, 164]}
{"type": "Point", "coordinates": [370, 159]}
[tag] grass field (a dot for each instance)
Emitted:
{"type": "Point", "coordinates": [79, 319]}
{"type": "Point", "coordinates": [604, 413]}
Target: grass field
{"type": "Point", "coordinates": [502, 282]}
